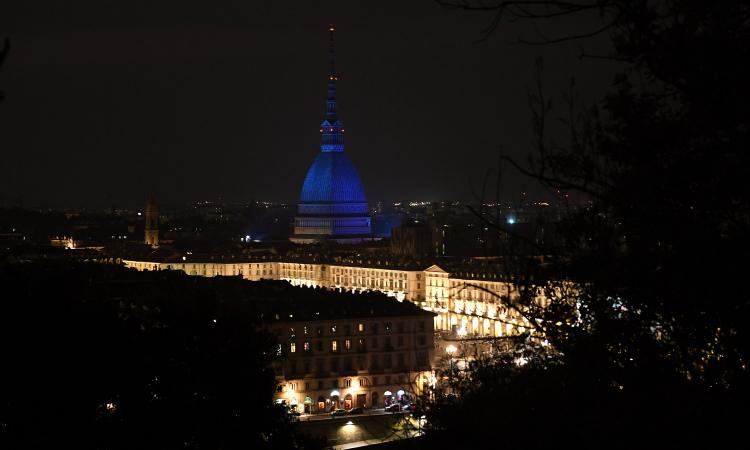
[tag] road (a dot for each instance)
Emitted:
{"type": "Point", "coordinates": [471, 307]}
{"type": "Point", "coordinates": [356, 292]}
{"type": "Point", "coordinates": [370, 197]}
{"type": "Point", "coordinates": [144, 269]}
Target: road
{"type": "Point", "coordinates": [327, 416]}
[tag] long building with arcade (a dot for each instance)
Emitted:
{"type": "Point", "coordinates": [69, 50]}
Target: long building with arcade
{"type": "Point", "coordinates": [468, 301]}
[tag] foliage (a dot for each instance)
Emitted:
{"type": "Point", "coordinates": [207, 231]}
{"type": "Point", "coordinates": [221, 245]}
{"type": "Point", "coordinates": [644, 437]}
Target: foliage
{"type": "Point", "coordinates": [651, 347]}
{"type": "Point", "coordinates": [102, 357]}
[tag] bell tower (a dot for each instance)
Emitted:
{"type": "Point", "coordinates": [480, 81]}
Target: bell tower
{"type": "Point", "coordinates": [152, 223]}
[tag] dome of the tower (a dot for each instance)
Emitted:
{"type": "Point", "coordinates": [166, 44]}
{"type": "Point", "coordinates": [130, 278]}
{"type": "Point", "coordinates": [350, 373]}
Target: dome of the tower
{"type": "Point", "coordinates": [332, 178]}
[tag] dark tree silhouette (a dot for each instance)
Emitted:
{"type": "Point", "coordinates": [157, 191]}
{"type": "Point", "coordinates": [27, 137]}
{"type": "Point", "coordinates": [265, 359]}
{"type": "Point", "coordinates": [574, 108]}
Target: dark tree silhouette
{"type": "Point", "coordinates": [97, 356]}
{"type": "Point", "coordinates": [650, 343]}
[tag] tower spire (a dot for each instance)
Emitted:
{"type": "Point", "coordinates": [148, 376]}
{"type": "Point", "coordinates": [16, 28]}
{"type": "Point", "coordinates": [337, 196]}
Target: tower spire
{"type": "Point", "coordinates": [332, 77]}
{"type": "Point", "coordinates": [332, 128]}
{"type": "Point", "coordinates": [332, 50]}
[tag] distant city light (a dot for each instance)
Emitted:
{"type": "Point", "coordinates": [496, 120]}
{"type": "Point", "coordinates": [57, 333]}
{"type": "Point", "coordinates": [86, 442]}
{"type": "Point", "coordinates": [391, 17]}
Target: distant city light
{"type": "Point", "coordinates": [451, 349]}
{"type": "Point", "coordinates": [511, 220]}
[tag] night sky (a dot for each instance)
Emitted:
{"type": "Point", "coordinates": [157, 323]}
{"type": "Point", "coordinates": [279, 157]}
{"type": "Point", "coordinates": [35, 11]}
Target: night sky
{"type": "Point", "coordinates": [107, 101]}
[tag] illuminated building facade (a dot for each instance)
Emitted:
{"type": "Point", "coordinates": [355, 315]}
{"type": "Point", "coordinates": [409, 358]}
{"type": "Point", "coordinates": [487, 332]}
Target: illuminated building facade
{"type": "Point", "coordinates": [332, 203]}
{"type": "Point", "coordinates": [465, 302]}
{"type": "Point", "coordinates": [368, 359]}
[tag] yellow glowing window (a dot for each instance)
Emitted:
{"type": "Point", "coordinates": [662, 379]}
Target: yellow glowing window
{"type": "Point", "coordinates": [334, 345]}
{"type": "Point", "coordinates": [361, 327]}
{"type": "Point", "coordinates": [347, 344]}
{"type": "Point", "coordinates": [293, 347]}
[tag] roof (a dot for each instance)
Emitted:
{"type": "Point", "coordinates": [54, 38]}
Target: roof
{"type": "Point", "coordinates": [285, 303]}
{"type": "Point", "coordinates": [332, 178]}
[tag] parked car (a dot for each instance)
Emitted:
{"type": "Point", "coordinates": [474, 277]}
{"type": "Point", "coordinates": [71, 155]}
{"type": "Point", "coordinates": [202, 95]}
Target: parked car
{"type": "Point", "coordinates": [395, 407]}
{"type": "Point", "coordinates": [357, 410]}
{"type": "Point", "coordinates": [338, 412]}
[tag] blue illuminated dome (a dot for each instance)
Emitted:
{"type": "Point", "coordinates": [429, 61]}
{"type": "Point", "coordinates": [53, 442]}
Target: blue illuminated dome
{"type": "Point", "coordinates": [332, 179]}
{"type": "Point", "coordinates": [332, 203]}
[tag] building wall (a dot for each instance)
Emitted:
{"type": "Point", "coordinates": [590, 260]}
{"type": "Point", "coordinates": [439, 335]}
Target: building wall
{"type": "Point", "coordinates": [462, 304]}
{"type": "Point", "coordinates": [359, 359]}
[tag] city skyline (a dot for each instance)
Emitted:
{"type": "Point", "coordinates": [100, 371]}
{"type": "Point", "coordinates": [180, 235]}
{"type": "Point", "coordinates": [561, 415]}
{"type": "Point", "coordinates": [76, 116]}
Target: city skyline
{"type": "Point", "coordinates": [527, 239]}
{"type": "Point", "coordinates": [232, 102]}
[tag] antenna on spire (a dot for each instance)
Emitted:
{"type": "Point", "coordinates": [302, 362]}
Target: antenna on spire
{"type": "Point", "coordinates": [332, 51]}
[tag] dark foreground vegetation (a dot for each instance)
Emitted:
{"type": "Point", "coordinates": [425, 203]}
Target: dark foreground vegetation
{"type": "Point", "coordinates": [651, 347]}
{"type": "Point", "coordinates": [101, 357]}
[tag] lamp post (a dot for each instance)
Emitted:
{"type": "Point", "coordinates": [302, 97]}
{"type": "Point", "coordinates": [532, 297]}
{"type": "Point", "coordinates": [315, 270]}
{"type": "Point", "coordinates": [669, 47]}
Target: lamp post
{"type": "Point", "coordinates": [451, 350]}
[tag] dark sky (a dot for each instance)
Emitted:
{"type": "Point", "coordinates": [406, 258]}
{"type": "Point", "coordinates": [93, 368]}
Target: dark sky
{"type": "Point", "coordinates": [108, 100]}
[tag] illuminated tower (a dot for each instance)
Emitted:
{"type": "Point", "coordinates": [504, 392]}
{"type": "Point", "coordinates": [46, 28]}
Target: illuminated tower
{"type": "Point", "coordinates": [152, 223]}
{"type": "Point", "coordinates": [332, 203]}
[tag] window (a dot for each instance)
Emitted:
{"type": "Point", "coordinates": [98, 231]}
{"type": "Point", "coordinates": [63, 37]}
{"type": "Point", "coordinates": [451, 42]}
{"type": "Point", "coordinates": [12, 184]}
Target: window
{"type": "Point", "coordinates": [291, 332]}
{"type": "Point", "coordinates": [421, 339]}
{"type": "Point", "coordinates": [374, 328]}
{"type": "Point", "coordinates": [348, 382]}
{"type": "Point", "coordinates": [348, 344]}
{"type": "Point", "coordinates": [387, 379]}
{"type": "Point", "coordinates": [293, 347]}
{"type": "Point", "coordinates": [334, 345]}
{"type": "Point", "coordinates": [319, 346]}
{"type": "Point", "coordinates": [375, 381]}
{"type": "Point", "coordinates": [400, 341]}
{"type": "Point", "coordinates": [307, 346]}
{"type": "Point", "coordinates": [333, 328]}
{"type": "Point", "coordinates": [307, 385]}
{"type": "Point", "coordinates": [279, 388]}
{"type": "Point", "coordinates": [387, 326]}
{"type": "Point", "coordinates": [319, 331]}
{"type": "Point", "coordinates": [334, 384]}
{"type": "Point", "coordinates": [401, 360]}
{"type": "Point", "coordinates": [362, 382]}
{"type": "Point", "coordinates": [361, 327]}
{"type": "Point", "coordinates": [304, 329]}
{"type": "Point", "coordinates": [420, 325]}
